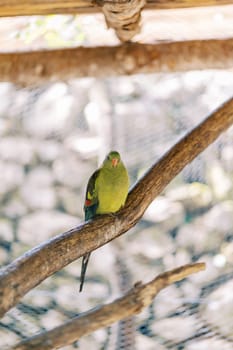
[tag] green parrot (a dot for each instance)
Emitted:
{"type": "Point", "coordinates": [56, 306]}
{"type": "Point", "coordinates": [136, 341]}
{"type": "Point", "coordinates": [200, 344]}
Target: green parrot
{"type": "Point", "coordinates": [106, 193]}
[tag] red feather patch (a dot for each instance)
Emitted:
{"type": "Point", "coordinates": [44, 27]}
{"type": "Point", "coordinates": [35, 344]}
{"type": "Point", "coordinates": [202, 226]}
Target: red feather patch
{"type": "Point", "coordinates": [88, 202]}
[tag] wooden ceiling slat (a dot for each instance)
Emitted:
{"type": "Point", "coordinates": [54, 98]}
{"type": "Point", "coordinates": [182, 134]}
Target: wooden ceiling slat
{"type": "Point", "coordinates": [37, 67]}
{"type": "Point", "coordinates": [10, 8]}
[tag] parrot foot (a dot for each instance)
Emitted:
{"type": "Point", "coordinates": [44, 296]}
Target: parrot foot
{"type": "Point", "coordinates": [113, 215]}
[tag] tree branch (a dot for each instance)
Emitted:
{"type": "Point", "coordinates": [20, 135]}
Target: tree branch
{"type": "Point", "coordinates": [47, 7]}
{"type": "Point", "coordinates": [33, 68]}
{"type": "Point", "coordinates": [130, 304]}
{"type": "Point", "coordinates": [51, 256]}
{"type": "Point", "coordinates": [29, 270]}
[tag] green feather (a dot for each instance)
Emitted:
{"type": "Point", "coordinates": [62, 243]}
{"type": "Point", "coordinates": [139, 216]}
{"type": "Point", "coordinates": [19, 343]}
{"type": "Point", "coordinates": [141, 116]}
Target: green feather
{"type": "Point", "coordinates": [107, 190]}
{"type": "Point", "coordinates": [90, 210]}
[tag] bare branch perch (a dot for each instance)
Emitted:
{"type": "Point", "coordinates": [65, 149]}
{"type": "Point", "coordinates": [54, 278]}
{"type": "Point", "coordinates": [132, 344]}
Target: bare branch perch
{"type": "Point", "coordinates": [130, 304]}
{"type": "Point", "coordinates": [47, 7]}
{"type": "Point", "coordinates": [51, 256]}
{"type": "Point", "coordinates": [33, 68]}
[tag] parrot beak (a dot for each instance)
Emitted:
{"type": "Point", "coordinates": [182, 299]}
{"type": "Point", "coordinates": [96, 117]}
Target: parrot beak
{"type": "Point", "coordinates": [114, 162]}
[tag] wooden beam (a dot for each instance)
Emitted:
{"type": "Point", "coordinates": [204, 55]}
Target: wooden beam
{"type": "Point", "coordinates": [177, 4]}
{"type": "Point", "coordinates": [46, 7]}
{"type": "Point", "coordinates": [34, 68]}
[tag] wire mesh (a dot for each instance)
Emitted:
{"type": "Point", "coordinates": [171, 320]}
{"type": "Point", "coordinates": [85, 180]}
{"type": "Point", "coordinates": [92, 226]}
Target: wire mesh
{"type": "Point", "coordinates": [52, 138]}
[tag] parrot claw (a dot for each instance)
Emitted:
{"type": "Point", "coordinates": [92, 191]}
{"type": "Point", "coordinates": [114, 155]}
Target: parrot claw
{"type": "Point", "coordinates": [113, 215]}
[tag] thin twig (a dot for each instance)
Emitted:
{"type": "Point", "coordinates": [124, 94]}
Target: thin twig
{"type": "Point", "coordinates": [130, 304]}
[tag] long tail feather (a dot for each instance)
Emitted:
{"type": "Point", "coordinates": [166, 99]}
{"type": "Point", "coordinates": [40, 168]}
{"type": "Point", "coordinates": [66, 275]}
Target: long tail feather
{"type": "Point", "coordinates": [83, 270]}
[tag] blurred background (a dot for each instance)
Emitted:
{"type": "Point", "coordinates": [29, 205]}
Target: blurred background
{"type": "Point", "coordinates": [53, 137]}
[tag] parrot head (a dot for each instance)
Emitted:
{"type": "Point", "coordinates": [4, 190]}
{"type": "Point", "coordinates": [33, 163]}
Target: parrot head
{"type": "Point", "coordinates": [112, 160]}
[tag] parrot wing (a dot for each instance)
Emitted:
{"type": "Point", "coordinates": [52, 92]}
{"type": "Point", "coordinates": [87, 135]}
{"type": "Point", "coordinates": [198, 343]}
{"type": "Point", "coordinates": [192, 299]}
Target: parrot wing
{"type": "Point", "coordinates": [90, 207]}
{"type": "Point", "coordinates": [91, 198]}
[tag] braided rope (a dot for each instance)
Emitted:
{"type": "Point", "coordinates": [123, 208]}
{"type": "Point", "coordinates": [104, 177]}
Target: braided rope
{"type": "Point", "coordinates": [124, 17]}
